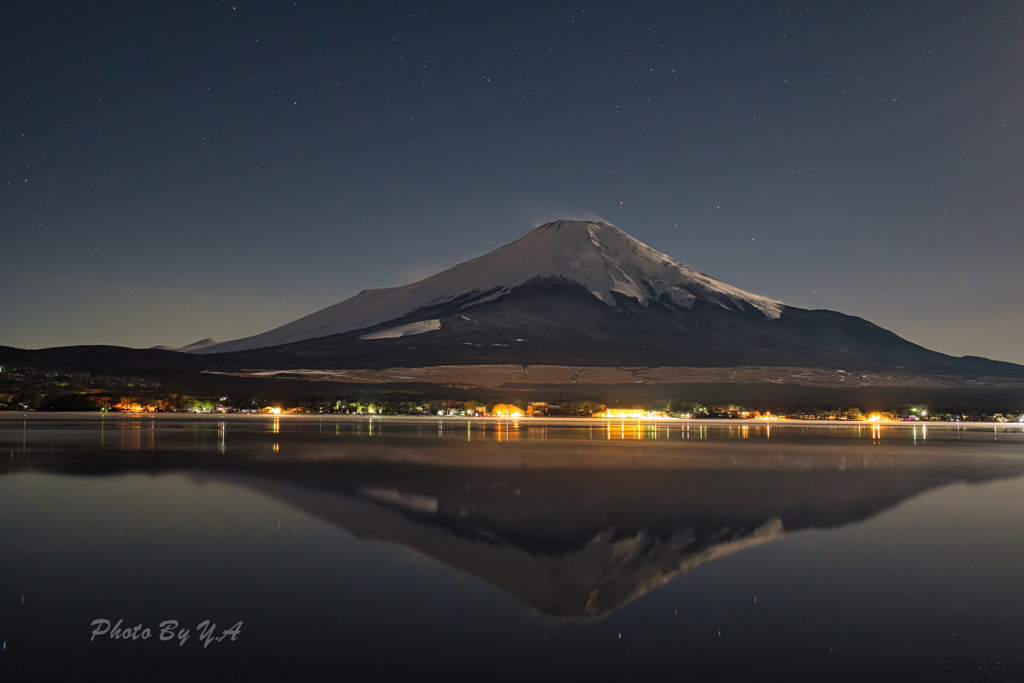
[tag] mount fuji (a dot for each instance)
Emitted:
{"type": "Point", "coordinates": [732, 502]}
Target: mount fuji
{"type": "Point", "coordinates": [582, 293]}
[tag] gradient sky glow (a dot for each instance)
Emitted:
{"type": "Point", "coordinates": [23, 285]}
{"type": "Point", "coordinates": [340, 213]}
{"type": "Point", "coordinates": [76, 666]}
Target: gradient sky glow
{"type": "Point", "coordinates": [174, 171]}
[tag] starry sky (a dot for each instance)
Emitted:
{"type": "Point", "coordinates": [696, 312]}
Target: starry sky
{"type": "Point", "coordinates": [175, 171]}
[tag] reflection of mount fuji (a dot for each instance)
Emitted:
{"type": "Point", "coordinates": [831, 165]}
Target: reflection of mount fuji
{"type": "Point", "coordinates": [586, 542]}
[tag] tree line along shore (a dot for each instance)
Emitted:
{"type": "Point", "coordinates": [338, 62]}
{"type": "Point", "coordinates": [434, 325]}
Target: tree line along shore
{"type": "Point", "coordinates": [40, 390]}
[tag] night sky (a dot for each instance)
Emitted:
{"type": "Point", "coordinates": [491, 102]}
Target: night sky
{"type": "Point", "coordinates": [174, 171]}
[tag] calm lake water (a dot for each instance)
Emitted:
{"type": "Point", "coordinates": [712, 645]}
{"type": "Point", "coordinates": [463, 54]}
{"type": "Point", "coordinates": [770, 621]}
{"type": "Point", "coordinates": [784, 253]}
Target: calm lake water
{"type": "Point", "coordinates": [427, 549]}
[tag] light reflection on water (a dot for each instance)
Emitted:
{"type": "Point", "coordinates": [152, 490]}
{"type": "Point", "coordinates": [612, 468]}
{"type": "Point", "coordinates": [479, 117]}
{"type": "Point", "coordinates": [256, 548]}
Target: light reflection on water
{"type": "Point", "coordinates": [139, 432]}
{"type": "Point", "coordinates": [512, 549]}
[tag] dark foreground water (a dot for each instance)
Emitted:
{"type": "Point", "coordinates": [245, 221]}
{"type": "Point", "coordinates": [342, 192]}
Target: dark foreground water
{"type": "Point", "coordinates": [427, 550]}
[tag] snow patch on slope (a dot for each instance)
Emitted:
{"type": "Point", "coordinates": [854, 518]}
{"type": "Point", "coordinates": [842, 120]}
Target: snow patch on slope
{"type": "Point", "coordinates": [405, 330]}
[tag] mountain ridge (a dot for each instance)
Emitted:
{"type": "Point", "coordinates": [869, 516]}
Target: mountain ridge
{"type": "Point", "coordinates": [582, 293]}
{"type": "Point", "coordinates": [568, 294]}
{"type": "Point", "coordinates": [600, 257]}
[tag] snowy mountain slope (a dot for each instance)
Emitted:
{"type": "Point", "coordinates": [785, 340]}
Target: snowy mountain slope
{"type": "Point", "coordinates": [199, 345]}
{"type": "Point", "coordinates": [597, 256]}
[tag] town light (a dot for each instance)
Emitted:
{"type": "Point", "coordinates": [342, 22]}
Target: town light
{"type": "Point", "coordinates": [631, 413]}
{"type": "Point", "coordinates": [507, 410]}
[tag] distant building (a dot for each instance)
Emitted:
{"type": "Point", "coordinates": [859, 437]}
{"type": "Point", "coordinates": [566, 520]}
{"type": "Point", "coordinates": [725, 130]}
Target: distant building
{"type": "Point", "coordinates": [545, 410]}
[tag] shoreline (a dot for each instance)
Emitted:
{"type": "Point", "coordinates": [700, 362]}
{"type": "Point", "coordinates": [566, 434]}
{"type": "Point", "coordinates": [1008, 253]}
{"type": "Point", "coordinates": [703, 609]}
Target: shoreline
{"type": "Point", "coordinates": [520, 421]}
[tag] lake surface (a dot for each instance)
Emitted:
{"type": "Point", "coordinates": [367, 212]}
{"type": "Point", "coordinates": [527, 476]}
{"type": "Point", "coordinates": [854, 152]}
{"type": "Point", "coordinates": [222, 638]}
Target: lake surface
{"type": "Point", "coordinates": [422, 549]}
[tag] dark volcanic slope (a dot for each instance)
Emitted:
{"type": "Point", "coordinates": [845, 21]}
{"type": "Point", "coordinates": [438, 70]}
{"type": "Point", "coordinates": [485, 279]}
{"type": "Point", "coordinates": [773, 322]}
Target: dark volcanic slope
{"type": "Point", "coordinates": [559, 323]}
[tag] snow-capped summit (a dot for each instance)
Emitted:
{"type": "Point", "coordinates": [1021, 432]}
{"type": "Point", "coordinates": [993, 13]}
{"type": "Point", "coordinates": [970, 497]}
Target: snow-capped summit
{"type": "Point", "coordinates": [596, 256]}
